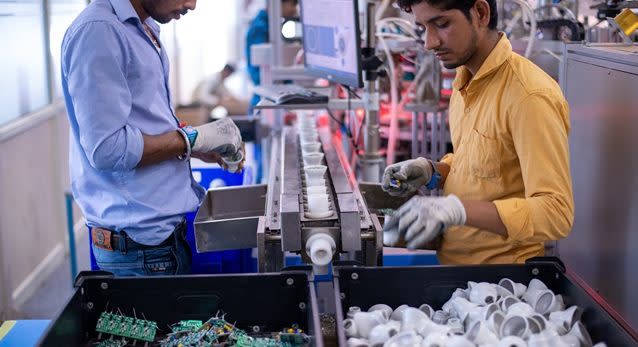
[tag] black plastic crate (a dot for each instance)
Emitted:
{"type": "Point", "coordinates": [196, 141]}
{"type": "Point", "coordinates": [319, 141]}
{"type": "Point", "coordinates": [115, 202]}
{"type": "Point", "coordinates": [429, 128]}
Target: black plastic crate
{"type": "Point", "coordinates": [394, 286]}
{"type": "Point", "coordinates": [268, 301]}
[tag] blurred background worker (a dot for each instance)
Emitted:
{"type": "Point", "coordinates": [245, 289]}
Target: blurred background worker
{"type": "Point", "coordinates": [258, 33]}
{"type": "Point", "coordinates": [212, 92]}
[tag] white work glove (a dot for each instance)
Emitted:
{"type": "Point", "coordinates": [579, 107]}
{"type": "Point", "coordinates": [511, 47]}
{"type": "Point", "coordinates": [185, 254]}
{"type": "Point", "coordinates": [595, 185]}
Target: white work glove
{"type": "Point", "coordinates": [411, 175]}
{"type": "Point", "coordinates": [222, 137]}
{"type": "Point", "coordinates": [423, 218]}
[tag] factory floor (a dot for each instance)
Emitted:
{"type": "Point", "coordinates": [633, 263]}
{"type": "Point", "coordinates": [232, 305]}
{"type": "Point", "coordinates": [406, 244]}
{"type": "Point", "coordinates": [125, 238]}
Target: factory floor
{"type": "Point", "coordinates": [57, 288]}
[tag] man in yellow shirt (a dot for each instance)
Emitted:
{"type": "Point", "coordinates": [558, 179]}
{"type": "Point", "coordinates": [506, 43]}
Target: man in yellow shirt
{"type": "Point", "coordinates": [507, 185]}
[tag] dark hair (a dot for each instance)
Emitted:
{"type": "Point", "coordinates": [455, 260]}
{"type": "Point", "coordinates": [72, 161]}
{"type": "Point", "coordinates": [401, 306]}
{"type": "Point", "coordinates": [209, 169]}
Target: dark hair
{"type": "Point", "coordinates": [229, 67]}
{"type": "Point", "coordinates": [461, 5]}
{"type": "Point", "coordinates": [293, 1]}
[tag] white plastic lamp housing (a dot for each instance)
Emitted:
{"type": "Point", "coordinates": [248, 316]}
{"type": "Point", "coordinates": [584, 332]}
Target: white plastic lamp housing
{"type": "Point", "coordinates": [320, 248]}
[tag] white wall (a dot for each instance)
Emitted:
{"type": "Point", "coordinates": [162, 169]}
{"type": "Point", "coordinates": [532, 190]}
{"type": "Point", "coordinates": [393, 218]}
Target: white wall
{"type": "Point", "coordinates": [33, 178]}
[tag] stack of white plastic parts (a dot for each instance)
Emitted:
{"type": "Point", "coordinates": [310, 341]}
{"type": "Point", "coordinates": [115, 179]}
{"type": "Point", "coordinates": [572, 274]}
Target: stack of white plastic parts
{"type": "Point", "coordinates": [507, 314]}
{"type": "Point", "coordinates": [317, 201]}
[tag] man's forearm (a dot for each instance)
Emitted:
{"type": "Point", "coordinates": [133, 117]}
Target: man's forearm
{"type": "Point", "coordinates": [158, 148]}
{"type": "Point", "coordinates": [484, 215]}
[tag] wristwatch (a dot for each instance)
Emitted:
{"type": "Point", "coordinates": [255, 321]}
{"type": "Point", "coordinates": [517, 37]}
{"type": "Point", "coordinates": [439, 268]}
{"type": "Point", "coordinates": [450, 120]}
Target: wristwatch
{"type": "Point", "coordinates": [435, 179]}
{"type": "Point", "coordinates": [190, 135]}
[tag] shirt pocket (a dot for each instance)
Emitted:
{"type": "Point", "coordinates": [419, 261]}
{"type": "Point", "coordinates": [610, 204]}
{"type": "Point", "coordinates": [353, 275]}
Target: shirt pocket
{"type": "Point", "coordinates": [485, 159]}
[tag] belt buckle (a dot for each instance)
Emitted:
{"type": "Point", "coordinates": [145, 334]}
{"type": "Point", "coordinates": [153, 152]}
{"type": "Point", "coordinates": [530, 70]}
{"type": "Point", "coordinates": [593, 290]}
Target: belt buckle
{"type": "Point", "coordinates": [102, 238]}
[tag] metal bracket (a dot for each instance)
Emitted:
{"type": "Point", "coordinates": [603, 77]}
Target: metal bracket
{"type": "Point", "coordinates": [553, 261]}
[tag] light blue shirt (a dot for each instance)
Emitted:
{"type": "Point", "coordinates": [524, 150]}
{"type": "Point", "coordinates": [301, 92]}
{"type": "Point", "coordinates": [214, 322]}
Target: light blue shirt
{"type": "Point", "coordinates": [116, 88]}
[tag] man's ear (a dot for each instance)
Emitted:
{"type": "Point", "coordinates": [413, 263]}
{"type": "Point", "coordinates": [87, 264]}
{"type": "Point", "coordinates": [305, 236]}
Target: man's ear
{"type": "Point", "coordinates": [482, 11]}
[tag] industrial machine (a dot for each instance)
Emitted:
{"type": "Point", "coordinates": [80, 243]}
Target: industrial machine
{"type": "Point", "coordinates": [277, 220]}
{"type": "Point", "coordinates": [611, 8]}
{"type": "Point", "coordinates": [274, 219]}
{"type": "Point", "coordinates": [602, 140]}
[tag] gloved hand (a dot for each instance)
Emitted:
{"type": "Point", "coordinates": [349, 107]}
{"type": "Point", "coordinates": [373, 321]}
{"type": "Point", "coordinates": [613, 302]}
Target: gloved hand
{"type": "Point", "coordinates": [423, 218]}
{"type": "Point", "coordinates": [222, 137]}
{"type": "Point", "coordinates": [412, 174]}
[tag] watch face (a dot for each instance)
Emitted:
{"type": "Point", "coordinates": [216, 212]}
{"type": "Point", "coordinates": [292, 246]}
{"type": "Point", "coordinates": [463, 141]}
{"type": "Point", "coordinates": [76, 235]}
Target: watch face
{"type": "Point", "coordinates": [191, 133]}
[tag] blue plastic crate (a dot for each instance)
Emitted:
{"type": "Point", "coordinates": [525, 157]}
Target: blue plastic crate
{"type": "Point", "coordinates": [235, 261]}
{"type": "Point", "coordinates": [213, 177]}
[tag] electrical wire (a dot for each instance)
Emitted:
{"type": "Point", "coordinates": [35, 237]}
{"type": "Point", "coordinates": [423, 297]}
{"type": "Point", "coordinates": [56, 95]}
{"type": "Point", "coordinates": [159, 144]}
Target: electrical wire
{"type": "Point", "coordinates": [550, 53]}
{"type": "Point", "coordinates": [336, 119]}
{"type": "Point", "coordinates": [379, 12]}
{"type": "Point", "coordinates": [512, 23]}
{"type": "Point", "coordinates": [393, 103]}
{"type": "Point", "coordinates": [404, 24]}
{"type": "Point", "coordinates": [344, 126]}
{"type": "Point", "coordinates": [408, 34]}
{"type": "Point", "coordinates": [357, 139]}
{"type": "Point", "coordinates": [557, 7]}
{"type": "Point", "coordinates": [529, 12]}
{"type": "Point", "coordinates": [350, 91]}
{"type": "Point", "coordinates": [354, 139]}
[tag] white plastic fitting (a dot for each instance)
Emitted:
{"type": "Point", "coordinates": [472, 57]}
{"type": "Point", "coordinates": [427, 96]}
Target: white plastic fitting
{"type": "Point", "coordinates": [320, 248]}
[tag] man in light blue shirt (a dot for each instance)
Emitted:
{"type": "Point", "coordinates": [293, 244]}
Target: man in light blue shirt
{"type": "Point", "coordinates": [129, 165]}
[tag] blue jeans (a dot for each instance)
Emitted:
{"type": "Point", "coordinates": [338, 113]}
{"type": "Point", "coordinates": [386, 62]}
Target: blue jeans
{"type": "Point", "coordinates": [172, 259]}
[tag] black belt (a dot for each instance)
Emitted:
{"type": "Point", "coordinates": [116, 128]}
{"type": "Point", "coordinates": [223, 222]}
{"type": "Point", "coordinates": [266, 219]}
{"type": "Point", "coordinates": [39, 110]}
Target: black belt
{"type": "Point", "coordinates": [114, 241]}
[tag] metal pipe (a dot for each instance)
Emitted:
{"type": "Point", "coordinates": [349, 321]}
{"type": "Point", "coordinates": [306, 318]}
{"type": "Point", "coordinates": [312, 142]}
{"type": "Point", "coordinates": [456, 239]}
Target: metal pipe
{"type": "Point", "coordinates": [368, 236]}
{"type": "Point", "coordinates": [68, 198]}
{"type": "Point", "coordinates": [274, 30]}
{"type": "Point", "coordinates": [370, 164]}
{"type": "Point", "coordinates": [370, 26]}
{"type": "Point", "coordinates": [371, 140]}
{"type": "Point", "coordinates": [46, 23]}
{"type": "Point", "coordinates": [273, 237]}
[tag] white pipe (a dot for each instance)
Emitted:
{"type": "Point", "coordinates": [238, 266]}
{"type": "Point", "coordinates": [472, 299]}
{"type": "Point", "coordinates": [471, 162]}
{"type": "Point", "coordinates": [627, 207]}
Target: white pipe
{"type": "Point", "coordinates": [525, 7]}
{"type": "Point", "coordinates": [379, 13]}
{"type": "Point", "coordinates": [320, 247]}
{"type": "Point", "coordinates": [512, 23]}
{"type": "Point", "coordinates": [398, 37]}
{"type": "Point", "coordinates": [394, 97]}
{"type": "Point", "coordinates": [569, 12]}
{"type": "Point", "coordinates": [400, 22]}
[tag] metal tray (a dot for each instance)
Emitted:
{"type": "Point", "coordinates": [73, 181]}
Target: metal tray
{"type": "Point", "coordinates": [228, 218]}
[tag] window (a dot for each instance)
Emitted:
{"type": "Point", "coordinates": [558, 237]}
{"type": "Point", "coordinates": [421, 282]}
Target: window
{"type": "Point", "coordinates": [23, 60]}
{"type": "Point", "coordinates": [61, 14]}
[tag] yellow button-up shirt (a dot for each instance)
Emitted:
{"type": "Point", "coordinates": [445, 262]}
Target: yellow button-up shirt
{"type": "Point", "coordinates": [509, 126]}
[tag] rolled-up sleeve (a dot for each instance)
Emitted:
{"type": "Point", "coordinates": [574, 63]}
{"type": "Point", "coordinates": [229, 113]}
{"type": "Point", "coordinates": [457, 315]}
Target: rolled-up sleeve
{"type": "Point", "coordinates": [539, 127]}
{"type": "Point", "coordinates": [102, 101]}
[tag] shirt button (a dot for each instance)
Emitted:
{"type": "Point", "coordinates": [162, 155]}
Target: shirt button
{"type": "Point", "coordinates": [467, 110]}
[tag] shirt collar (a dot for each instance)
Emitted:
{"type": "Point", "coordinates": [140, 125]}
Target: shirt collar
{"type": "Point", "coordinates": [124, 10]}
{"type": "Point", "coordinates": [499, 55]}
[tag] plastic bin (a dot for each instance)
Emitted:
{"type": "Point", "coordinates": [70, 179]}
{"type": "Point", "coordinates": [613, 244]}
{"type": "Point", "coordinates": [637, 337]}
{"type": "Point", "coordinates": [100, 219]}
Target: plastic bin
{"type": "Point", "coordinates": [367, 286]}
{"type": "Point", "coordinates": [268, 301]}
{"type": "Point", "coordinates": [235, 261]}
{"type": "Point", "coordinates": [213, 177]}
